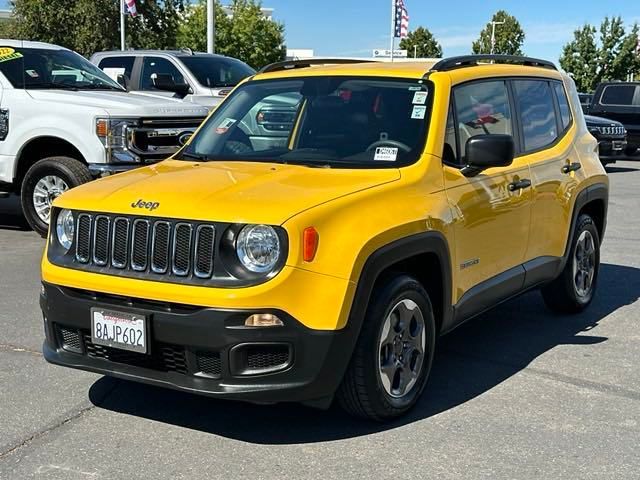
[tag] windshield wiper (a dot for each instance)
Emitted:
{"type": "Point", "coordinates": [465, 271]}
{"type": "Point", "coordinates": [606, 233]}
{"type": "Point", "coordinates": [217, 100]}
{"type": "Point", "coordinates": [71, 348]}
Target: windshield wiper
{"type": "Point", "coordinates": [194, 156]}
{"type": "Point", "coordinates": [100, 87]}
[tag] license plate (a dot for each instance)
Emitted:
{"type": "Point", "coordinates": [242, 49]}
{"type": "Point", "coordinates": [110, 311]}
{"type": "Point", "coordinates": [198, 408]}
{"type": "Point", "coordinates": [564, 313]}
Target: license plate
{"type": "Point", "coordinates": [125, 331]}
{"type": "Point", "coordinates": [618, 145]}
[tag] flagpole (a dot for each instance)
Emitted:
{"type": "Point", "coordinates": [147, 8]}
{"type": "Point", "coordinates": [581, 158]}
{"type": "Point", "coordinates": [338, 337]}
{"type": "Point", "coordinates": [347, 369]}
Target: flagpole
{"type": "Point", "coordinates": [122, 26]}
{"type": "Point", "coordinates": [393, 26]}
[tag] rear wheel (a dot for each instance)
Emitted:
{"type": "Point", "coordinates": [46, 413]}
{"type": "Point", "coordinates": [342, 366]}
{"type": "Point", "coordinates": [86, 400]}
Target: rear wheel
{"type": "Point", "coordinates": [573, 290]}
{"type": "Point", "coordinates": [46, 180]}
{"type": "Point", "coordinates": [394, 353]}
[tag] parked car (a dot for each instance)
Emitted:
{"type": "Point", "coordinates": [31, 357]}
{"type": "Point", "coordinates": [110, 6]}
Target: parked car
{"type": "Point", "coordinates": [200, 78]}
{"type": "Point", "coordinates": [620, 101]}
{"type": "Point", "coordinates": [611, 137]}
{"type": "Point", "coordinates": [407, 199]}
{"type": "Point", "coordinates": [64, 122]}
{"type": "Point", "coordinates": [585, 101]}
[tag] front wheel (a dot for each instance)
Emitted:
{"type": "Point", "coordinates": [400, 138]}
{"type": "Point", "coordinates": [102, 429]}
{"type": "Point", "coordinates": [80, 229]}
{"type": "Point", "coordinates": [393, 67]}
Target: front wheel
{"type": "Point", "coordinates": [46, 180]}
{"type": "Point", "coordinates": [573, 290]}
{"type": "Point", "coordinates": [631, 151]}
{"type": "Point", "coordinates": [394, 353]}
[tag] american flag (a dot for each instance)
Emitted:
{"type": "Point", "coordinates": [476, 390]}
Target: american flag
{"type": "Point", "coordinates": [131, 7]}
{"type": "Point", "coordinates": [402, 20]}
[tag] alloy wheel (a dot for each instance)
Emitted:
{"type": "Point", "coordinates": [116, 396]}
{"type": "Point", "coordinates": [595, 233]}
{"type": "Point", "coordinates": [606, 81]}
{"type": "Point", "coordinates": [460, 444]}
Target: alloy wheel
{"type": "Point", "coordinates": [584, 264]}
{"type": "Point", "coordinates": [45, 192]}
{"type": "Point", "coordinates": [402, 348]}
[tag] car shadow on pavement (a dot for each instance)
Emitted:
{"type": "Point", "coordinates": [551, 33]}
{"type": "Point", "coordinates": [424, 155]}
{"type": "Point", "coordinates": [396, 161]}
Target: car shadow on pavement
{"type": "Point", "coordinates": [470, 361]}
{"type": "Point", "coordinates": [11, 217]}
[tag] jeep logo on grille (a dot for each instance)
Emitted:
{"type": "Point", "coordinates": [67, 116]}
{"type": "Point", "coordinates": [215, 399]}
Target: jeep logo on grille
{"type": "Point", "coordinates": [151, 206]}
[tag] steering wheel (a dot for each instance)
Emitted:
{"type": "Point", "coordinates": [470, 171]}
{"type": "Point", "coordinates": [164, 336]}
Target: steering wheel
{"type": "Point", "coordinates": [393, 143]}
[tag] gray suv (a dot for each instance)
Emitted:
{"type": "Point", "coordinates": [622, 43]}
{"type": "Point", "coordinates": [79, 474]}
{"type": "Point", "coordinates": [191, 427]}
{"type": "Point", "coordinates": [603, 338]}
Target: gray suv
{"type": "Point", "coordinates": [200, 78]}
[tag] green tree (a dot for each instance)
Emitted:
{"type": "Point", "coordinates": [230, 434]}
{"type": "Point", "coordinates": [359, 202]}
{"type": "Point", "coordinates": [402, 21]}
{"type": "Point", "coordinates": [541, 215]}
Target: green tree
{"type": "Point", "coordinates": [509, 36]}
{"type": "Point", "coordinates": [249, 35]}
{"type": "Point", "coordinates": [156, 25]}
{"type": "Point", "coordinates": [422, 44]}
{"type": "Point", "coordinates": [611, 36]}
{"type": "Point", "coordinates": [626, 59]}
{"type": "Point", "coordinates": [89, 26]}
{"type": "Point", "coordinates": [580, 58]}
{"type": "Point", "coordinates": [85, 26]}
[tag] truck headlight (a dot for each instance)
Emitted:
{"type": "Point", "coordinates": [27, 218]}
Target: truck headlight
{"type": "Point", "coordinates": [258, 248]}
{"type": "Point", "coordinates": [65, 229]}
{"type": "Point", "coordinates": [114, 135]}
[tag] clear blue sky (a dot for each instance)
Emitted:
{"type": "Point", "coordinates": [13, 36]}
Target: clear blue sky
{"type": "Point", "coordinates": [355, 27]}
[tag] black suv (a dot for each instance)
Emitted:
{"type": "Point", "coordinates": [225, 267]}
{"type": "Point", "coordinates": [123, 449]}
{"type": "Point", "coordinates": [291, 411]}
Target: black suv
{"type": "Point", "coordinates": [611, 136]}
{"type": "Point", "coordinates": [620, 101]}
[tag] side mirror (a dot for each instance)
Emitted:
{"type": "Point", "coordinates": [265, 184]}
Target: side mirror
{"type": "Point", "coordinates": [123, 80]}
{"type": "Point", "coordinates": [163, 81]}
{"type": "Point", "coordinates": [486, 151]}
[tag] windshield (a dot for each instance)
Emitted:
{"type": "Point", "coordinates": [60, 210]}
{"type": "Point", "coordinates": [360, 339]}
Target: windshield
{"type": "Point", "coordinates": [36, 68]}
{"type": "Point", "coordinates": [318, 121]}
{"type": "Point", "coordinates": [217, 71]}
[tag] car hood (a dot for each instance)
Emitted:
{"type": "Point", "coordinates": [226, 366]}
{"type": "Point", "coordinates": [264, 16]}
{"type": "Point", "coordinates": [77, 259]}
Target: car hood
{"type": "Point", "coordinates": [601, 122]}
{"type": "Point", "coordinates": [121, 103]}
{"type": "Point", "coordinates": [234, 192]}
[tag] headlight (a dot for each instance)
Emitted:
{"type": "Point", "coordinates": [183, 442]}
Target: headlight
{"type": "Point", "coordinates": [258, 248]}
{"type": "Point", "coordinates": [114, 134]}
{"type": "Point", "coordinates": [65, 229]}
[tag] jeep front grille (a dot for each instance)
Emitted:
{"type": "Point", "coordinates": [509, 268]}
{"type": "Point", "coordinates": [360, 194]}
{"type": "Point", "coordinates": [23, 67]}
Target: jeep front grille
{"type": "Point", "coordinates": [614, 131]}
{"type": "Point", "coordinates": [145, 245]}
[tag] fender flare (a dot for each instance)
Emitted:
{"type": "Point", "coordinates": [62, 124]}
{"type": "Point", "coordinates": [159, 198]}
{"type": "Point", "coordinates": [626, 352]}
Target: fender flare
{"type": "Point", "coordinates": [597, 191]}
{"type": "Point", "coordinates": [432, 242]}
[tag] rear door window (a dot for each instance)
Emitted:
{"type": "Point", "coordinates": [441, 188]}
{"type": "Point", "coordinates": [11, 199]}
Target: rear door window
{"type": "Point", "coordinates": [563, 105]}
{"type": "Point", "coordinates": [537, 113]}
{"type": "Point", "coordinates": [621, 95]}
{"type": "Point", "coordinates": [482, 108]}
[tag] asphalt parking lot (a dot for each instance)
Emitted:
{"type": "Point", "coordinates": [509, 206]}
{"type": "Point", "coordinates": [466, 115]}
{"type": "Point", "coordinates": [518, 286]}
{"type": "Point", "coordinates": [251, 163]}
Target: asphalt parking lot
{"type": "Point", "coordinates": [517, 393]}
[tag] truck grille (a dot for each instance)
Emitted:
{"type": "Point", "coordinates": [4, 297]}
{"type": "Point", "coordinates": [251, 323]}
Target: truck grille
{"type": "Point", "coordinates": [145, 245]}
{"type": "Point", "coordinates": [160, 138]}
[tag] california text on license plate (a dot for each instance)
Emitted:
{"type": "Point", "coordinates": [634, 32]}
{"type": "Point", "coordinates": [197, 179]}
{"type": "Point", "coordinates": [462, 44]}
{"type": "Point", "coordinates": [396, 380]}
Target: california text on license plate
{"type": "Point", "coordinates": [126, 331]}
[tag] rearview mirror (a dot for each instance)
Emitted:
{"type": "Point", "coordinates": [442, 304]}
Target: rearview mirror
{"type": "Point", "coordinates": [163, 81]}
{"type": "Point", "coordinates": [486, 151]}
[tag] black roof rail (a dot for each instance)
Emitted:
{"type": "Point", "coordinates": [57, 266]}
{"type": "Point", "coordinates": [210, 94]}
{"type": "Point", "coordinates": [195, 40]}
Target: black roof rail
{"type": "Point", "coordinates": [291, 64]}
{"type": "Point", "coordinates": [473, 60]}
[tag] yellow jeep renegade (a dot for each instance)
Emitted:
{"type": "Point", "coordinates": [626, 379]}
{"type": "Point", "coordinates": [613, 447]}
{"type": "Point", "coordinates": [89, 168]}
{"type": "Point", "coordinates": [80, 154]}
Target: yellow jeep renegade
{"type": "Point", "coordinates": [324, 226]}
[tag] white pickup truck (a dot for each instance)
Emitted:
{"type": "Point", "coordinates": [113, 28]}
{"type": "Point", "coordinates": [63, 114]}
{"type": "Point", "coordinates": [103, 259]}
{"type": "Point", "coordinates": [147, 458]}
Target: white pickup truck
{"type": "Point", "coordinates": [64, 122]}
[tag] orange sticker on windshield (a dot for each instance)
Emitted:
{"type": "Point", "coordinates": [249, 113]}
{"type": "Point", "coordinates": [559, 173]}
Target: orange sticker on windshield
{"type": "Point", "coordinates": [8, 53]}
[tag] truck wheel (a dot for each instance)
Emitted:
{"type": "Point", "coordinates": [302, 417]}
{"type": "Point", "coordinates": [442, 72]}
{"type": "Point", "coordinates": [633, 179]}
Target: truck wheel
{"type": "Point", "coordinates": [394, 353]}
{"type": "Point", "coordinates": [44, 182]}
{"type": "Point", "coordinates": [573, 290]}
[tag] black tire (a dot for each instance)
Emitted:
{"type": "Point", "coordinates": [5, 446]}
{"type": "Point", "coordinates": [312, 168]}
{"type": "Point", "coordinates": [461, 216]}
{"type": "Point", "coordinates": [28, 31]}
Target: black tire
{"type": "Point", "coordinates": [631, 151]}
{"type": "Point", "coordinates": [362, 393]}
{"type": "Point", "coordinates": [562, 295]}
{"type": "Point", "coordinates": [72, 171]}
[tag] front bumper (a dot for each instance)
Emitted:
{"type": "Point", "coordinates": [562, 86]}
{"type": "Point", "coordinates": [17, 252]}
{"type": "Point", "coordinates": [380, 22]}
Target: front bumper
{"type": "Point", "coordinates": [201, 350]}
{"type": "Point", "coordinates": [610, 154]}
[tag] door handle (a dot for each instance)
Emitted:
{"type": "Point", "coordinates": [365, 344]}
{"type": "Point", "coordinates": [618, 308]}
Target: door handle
{"type": "Point", "coordinates": [519, 185]}
{"type": "Point", "coordinates": [571, 167]}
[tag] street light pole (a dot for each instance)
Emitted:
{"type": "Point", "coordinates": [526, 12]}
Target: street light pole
{"type": "Point", "coordinates": [211, 26]}
{"type": "Point", "coordinates": [493, 35]}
